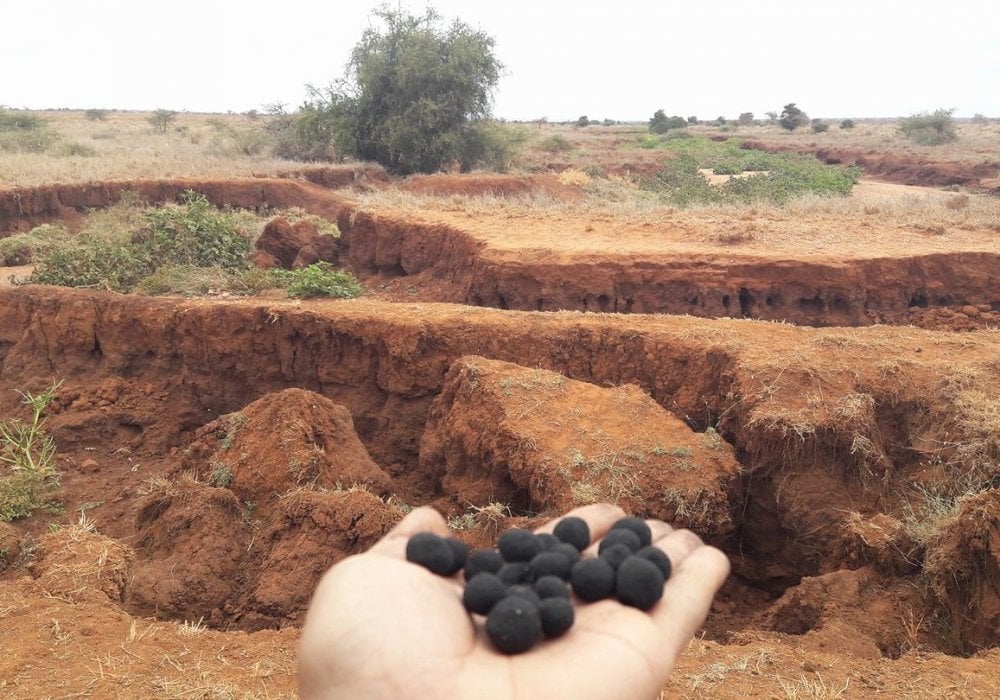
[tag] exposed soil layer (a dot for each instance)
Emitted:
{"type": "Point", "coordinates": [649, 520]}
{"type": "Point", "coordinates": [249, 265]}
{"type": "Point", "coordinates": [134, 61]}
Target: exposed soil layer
{"type": "Point", "coordinates": [894, 167]}
{"type": "Point", "coordinates": [839, 434]}
{"type": "Point", "coordinates": [890, 275]}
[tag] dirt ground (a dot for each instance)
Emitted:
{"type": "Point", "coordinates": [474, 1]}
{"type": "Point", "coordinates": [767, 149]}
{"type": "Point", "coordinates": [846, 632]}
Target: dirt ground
{"type": "Point", "coordinates": [764, 382]}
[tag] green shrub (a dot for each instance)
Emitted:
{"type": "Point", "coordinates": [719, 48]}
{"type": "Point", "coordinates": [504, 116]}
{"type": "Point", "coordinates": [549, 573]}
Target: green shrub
{"type": "Point", "coordinates": [582, 121]}
{"type": "Point", "coordinates": [23, 248]}
{"type": "Point", "coordinates": [847, 124]}
{"type": "Point", "coordinates": [660, 123]}
{"type": "Point", "coordinates": [930, 129]}
{"type": "Point", "coordinates": [36, 141]}
{"type": "Point", "coordinates": [819, 126]}
{"type": "Point", "coordinates": [556, 144]}
{"type": "Point", "coordinates": [493, 146]}
{"type": "Point", "coordinates": [792, 117]}
{"type": "Point", "coordinates": [111, 256]}
{"type": "Point", "coordinates": [28, 474]}
{"type": "Point", "coordinates": [726, 169]}
{"type": "Point", "coordinates": [745, 119]}
{"type": "Point", "coordinates": [161, 119]}
{"type": "Point", "coordinates": [11, 120]}
{"type": "Point", "coordinates": [322, 280]}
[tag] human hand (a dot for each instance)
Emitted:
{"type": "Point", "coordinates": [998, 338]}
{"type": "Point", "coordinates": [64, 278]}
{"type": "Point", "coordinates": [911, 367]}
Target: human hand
{"type": "Point", "coordinates": [382, 627]}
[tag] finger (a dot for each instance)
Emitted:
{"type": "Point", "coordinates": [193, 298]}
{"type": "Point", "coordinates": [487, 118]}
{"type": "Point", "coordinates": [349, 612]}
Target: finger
{"type": "Point", "coordinates": [677, 545]}
{"type": "Point", "coordinates": [688, 595]}
{"type": "Point", "coordinates": [418, 520]}
{"type": "Point", "coordinates": [658, 529]}
{"type": "Point", "coordinates": [599, 518]}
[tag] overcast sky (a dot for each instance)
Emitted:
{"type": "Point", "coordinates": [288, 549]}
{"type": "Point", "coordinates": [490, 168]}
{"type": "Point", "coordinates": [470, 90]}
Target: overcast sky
{"type": "Point", "coordinates": [619, 60]}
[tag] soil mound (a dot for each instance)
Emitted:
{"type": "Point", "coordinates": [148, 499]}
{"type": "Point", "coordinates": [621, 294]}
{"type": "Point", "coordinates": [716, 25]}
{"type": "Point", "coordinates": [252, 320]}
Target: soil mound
{"type": "Point", "coordinates": [541, 442]}
{"type": "Point", "coordinates": [287, 243]}
{"type": "Point", "coordinates": [190, 542]}
{"type": "Point", "coordinates": [491, 186]}
{"type": "Point", "coordinates": [77, 563]}
{"type": "Point", "coordinates": [285, 440]}
{"type": "Point", "coordinates": [312, 531]}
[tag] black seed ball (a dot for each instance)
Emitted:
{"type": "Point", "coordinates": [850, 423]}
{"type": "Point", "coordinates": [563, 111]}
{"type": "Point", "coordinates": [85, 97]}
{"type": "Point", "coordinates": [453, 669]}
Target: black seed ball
{"type": "Point", "coordinates": [616, 554]}
{"type": "Point", "coordinates": [639, 583]}
{"type": "Point", "coordinates": [625, 537]}
{"type": "Point", "coordinates": [430, 551]}
{"type": "Point", "coordinates": [658, 557]}
{"type": "Point", "coordinates": [514, 625]}
{"type": "Point", "coordinates": [593, 579]}
{"type": "Point", "coordinates": [514, 573]}
{"type": "Point", "coordinates": [573, 530]}
{"type": "Point", "coordinates": [459, 552]}
{"type": "Point", "coordinates": [524, 591]}
{"type": "Point", "coordinates": [569, 551]}
{"type": "Point", "coordinates": [482, 592]}
{"type": "Point", "coordinates": [557, 616]}
{"type": "Point", "coordinates": [551, 564]}
{"type": "Point", "coordinates": [551, 587]}
{"type": "Point", "coordinates": [518, 545]}
{"type": "Point", "coordinates": [638, 526]}
{"type": "Point", "coordinates": [547, 541]}
{"type": "Point", "coordinates": [482, 561]}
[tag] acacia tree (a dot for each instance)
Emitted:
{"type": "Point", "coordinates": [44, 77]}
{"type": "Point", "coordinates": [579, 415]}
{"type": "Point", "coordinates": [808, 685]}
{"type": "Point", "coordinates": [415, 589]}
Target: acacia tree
{"type": "Point", "coordinates": [415, 94]}
{"type": "Point", "coordinates": [792, 117]}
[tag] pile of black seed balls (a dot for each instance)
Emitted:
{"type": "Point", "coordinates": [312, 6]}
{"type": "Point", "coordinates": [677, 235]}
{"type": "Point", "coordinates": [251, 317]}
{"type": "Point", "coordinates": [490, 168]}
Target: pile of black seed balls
{"type": "Point", "coordinates": [524, 588]}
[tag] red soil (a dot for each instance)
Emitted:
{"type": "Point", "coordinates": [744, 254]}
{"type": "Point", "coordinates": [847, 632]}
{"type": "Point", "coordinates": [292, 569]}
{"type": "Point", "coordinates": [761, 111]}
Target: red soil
{"type": "Point", "coordinates": [228, 452]}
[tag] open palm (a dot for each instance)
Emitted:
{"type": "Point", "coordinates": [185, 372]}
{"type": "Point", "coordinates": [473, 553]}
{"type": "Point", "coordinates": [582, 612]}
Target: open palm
{"type": "Point", "coordinates": [381, 627]}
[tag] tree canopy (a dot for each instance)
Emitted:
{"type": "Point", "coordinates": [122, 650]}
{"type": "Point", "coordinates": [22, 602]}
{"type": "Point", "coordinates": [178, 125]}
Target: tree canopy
{"type": "Point", "coordinates": [415, 94]}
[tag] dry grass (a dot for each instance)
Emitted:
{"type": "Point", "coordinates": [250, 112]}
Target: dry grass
{"type": "Point", "coordinates": [124, 146]}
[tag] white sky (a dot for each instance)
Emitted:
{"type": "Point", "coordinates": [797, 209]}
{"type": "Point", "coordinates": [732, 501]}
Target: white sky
{"type": "Point", "coordinates": [605, 59]}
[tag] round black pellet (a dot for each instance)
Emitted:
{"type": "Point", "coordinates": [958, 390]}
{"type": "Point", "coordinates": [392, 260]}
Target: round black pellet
{"type": "Point", "coordinates": [551, 564]}
{"type": "Point", "coordinates": [573, 530]}
{"type": "Point", "coordinates": [625, 537]}
{"type": "Point", "coordinates": [514, 625]}
{"type": "Point", "coordinates": [431, 552]}
{"type": "Point", "coordinates": [658, 557]}
{"type": "Point", "coordinates": [639, 583]}
{"type": "Point", "coordinates": [518, 545]}
{"type": "Point", "coordinates": [547, 541]}
{"type": "Point", "coordinates": [557, 616]}
{"type": "Point", "coordinates": [482, 561]}
{"type": "Point", "coordinates": [569, 551]}
{"type": "Point", "coordinates": [514, 573]}
{"type": "Point", "coordinates": [459, 551]}
{"type": "Point", "coordinates": [593, 579]}
{"type": "Point", "coordinates": [524, 591]}
{"type": "Point", "coordinates": [482, 592]}
{"type": "Point", "coordinates": [551, 587]}
{"type": "Point", "coordinates": [616, 554]}
{"type": "Point", "coordinates": [638, 526]}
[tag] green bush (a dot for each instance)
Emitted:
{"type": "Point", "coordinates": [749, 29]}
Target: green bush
{"type": "Point", "coordinates": [582, 121]}
{"type": "Point", "coordinates": [11, 120]}
{"type": "Point", "coordinates": [161, 119]}
{"type": "Point", "coordinates": [660, 123]}
{"type": "Point", "coordinates": [322, 280]}
{"type": "Point", "coordinates": [192, 233]}
{"type": "Point", "coordinates": [930, 129]}
{"type": "Point", "coordinates": [24, 248]}
{"type": "Point", "coordinates": [847, 124]}
{"type": "Point", "coordinates": [726, 169]}
{"type": "Point", "coordinates": [556, 144]}
{"type": "Point", "coordinates": [819, 126]}
{"type": "Point", "coordinates": [792, 117]}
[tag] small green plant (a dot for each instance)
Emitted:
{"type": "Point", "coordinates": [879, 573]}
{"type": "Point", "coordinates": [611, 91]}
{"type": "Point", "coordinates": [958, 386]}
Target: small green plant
{"type": "Point", "coordinates": [221, 476]}
{"type": "Point", "coordinates": [27, 456]}
{"type": "Point", "coordinates": [322, 280]}
{"type": "Point", "coordinates": [930, 129]}
{"type": "Point", "coordinates": [726, 169]}
{"type": "Point", "coordinates": [24, 132]}
{"type": "Point", "coordinates": [847, 124]}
